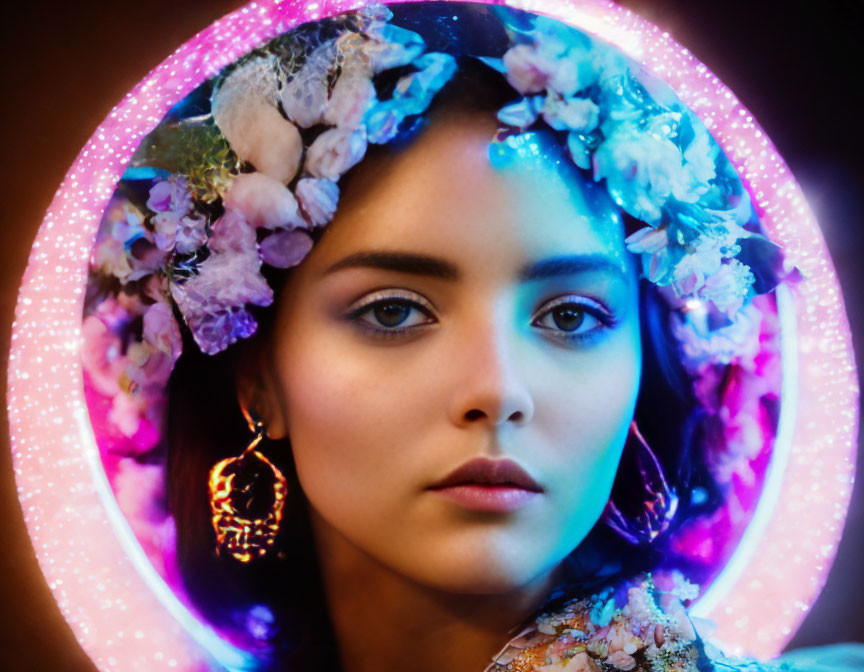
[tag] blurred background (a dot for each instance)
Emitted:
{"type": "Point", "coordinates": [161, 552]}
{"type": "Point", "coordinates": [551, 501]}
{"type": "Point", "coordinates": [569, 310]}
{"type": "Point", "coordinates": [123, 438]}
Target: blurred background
{"type": "Point", "coordinates": [796, 66]}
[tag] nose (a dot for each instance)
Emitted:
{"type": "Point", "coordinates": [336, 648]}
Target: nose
{"type": "Point", "coordinates": [489, 385]}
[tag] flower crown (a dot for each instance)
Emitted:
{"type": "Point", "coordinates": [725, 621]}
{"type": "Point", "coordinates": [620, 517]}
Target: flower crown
{"type": "Point", "coordinates": [249, 181]}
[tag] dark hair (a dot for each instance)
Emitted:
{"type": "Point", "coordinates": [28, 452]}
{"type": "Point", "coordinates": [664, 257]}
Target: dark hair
{"type": "Point", "coordinates": [282, 593]}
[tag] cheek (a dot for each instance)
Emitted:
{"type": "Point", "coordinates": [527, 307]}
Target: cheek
{"type": "Point", "coordinates": [349, 419]}
{"type": "Point", "coordinates": [586, 414]}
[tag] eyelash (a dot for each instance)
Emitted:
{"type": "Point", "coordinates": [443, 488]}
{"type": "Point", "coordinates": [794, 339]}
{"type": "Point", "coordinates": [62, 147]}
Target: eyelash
{"type": "Point", "coordinates": [605, 319]}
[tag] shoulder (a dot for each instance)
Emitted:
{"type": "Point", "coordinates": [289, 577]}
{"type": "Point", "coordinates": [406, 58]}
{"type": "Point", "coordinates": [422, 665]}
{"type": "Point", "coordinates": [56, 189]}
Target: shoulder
{"type": "Point", "coordinates": [632, 627]}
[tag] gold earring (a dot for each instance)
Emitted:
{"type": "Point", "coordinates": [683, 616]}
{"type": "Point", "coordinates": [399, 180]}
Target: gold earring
{"type": "Point", "coordinates": [247, 495]}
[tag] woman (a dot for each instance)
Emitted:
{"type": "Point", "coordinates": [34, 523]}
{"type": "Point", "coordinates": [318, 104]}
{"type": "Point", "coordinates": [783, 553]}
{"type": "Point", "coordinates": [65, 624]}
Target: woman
{"type": "Point", "coordinates": [452, 372]}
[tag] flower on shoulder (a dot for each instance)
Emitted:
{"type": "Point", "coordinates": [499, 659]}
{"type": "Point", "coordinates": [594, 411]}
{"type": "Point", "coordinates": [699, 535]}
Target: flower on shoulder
{"type": "Point", "coordinates": [581, 662]}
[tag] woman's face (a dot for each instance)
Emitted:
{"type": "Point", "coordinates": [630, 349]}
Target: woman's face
{"type": "Point", "coordinates": [456, 310]}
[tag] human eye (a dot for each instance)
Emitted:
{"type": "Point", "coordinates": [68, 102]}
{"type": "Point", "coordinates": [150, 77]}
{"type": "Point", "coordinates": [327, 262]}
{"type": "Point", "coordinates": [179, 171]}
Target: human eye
{"type": "Point", "coordinates": [573, 318]}
{"type": "Point", "coordinates": [391, 313]}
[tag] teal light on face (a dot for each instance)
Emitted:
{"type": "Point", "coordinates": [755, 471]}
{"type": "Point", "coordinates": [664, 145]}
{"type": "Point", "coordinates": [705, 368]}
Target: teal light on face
{"type": "Point", "coordinates": [504, 152]}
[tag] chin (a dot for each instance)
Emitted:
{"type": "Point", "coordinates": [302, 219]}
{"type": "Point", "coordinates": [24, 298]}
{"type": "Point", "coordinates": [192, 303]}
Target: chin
{"type": "Point", "coordinates": [481, 570]}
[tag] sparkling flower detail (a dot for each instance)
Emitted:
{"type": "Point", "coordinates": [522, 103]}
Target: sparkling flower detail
{"type": "Point", "coordinates": [634, 626]}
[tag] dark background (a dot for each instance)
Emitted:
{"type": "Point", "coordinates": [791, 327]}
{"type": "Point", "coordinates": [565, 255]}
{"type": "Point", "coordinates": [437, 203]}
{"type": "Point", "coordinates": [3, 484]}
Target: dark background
{"type": "Point", "coordinates": [795, 65]}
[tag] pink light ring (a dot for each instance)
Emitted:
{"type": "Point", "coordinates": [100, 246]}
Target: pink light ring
{"type": "Point", "coordinates": [189, 66]}
{"type": "Point", "coordinates": [802, 509]}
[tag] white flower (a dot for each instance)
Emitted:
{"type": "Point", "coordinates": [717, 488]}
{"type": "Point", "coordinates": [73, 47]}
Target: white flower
{"type": "Point", "coordinates": [351, 97]}
{"type": "Point", "coordinates": [304, 96]}
{"type": "Point", "coordinates": [263, 201]}
{"type": "Point", "coordinates": [729, 286]}
{"type": "Point", "coordinates": [640, 168]}
{"type": "Point", "coordinates": [335, 151]}
{"type": "Point", "coordinates": [244, 109]}
{"type": "Point", "coordinates": [703, 259]}
{"type": "Point", "coordinates": [522, 113]}
{"type": "Point", "coordinates": [573, 114]}
{"type": "Point", "coordinates": [699, 167]}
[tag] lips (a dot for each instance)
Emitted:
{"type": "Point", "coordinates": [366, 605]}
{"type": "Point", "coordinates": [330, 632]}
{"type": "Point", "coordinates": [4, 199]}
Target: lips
{"type": "Point", "coordinates": [484, 471]}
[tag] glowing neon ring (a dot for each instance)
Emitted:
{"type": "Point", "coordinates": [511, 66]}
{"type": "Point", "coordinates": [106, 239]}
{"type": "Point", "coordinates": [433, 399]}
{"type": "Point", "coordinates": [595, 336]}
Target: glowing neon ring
{"type": "Point", "coordinates": [119, 609]}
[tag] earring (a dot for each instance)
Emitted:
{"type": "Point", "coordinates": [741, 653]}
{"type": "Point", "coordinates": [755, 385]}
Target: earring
{"type": "Point", "coordinates": [247, 495]}
{"type": "Point", "coordinates": [660, 502]}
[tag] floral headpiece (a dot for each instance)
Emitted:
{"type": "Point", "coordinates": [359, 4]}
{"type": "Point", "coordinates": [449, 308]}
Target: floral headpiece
{"type": "Point", "coordinates": [248, 181]}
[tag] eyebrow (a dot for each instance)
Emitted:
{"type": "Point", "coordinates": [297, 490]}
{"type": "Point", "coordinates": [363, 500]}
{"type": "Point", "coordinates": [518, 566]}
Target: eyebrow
{"type": "Point", "coordinates": [421, 264]}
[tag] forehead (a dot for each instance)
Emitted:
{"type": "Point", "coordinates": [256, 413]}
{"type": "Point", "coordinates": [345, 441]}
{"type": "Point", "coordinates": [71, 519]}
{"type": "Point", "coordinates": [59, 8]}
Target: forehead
{"type": "Point", "coordinates": [444, 196]}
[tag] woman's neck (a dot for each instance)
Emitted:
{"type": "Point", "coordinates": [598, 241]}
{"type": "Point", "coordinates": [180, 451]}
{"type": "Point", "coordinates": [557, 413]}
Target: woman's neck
{"type": "Point", "coordinates": [385, 622]}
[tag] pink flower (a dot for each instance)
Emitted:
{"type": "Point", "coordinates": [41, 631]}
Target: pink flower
{"type": "Point", "coordinates": [144, 258]}
{"type": "Point", "coordinates": [148, 370]}
{"type": "Point", "coordinates": [101, 355]}
{"type": "Point", "coordinates": [318, 198]}
{"type": "Point", "coordinates": [140, 489]}
{"type": "Point", "coordinates": [648, 240]}
{"type": "Point", "coordinates": [351, 97]}
{"type": "Point", "coordinates": [620, 638]}
{"type": "Point", "coordinates": [161, 330]}
{"type": "Point", "coordinates": [164, 228]}
{"type": "Point", "coordinates": [263, 201]}
{"type": "Point", "coordinates": [232, 232]}
{"type": "Point", "coordinates": [528, 69]}
{"type": "Point", "coordinates": [621, 660]}
{"type": "Point", "coordinates": [335, 151]}
{"type": "Point", "coordinates": [126, 413]}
